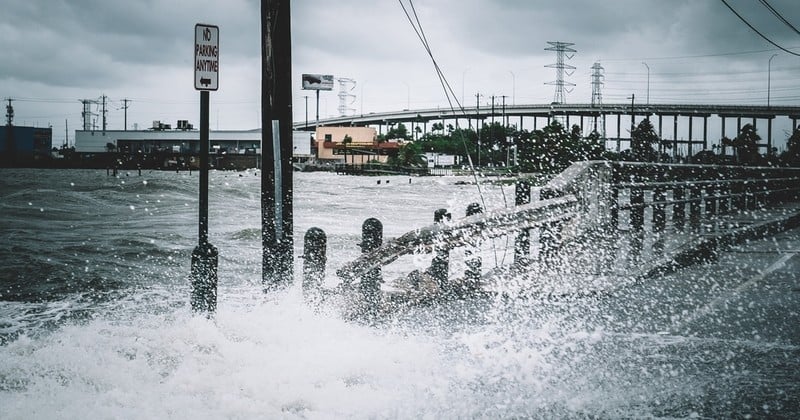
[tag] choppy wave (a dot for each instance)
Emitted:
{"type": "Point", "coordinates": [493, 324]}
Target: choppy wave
{"type": "Point", "coordinates": [95, 323]}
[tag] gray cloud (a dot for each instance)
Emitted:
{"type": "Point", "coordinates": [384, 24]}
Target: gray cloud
{"type": "Point", "coordinates": [142, 49]}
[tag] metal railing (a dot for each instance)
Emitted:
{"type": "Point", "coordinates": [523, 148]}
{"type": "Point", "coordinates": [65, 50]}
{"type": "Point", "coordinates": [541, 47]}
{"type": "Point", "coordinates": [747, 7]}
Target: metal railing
{"type": "Point", "coordinates": [589, 196]}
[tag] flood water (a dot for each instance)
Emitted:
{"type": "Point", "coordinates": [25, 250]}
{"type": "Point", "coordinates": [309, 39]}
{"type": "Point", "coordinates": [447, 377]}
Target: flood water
{"type": "Point", "coordinates": [95, 319]}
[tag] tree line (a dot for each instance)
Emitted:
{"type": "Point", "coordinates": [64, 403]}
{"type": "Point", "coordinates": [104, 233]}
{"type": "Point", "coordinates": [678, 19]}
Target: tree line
{"type": "Point", "coordinates": [554, 147]}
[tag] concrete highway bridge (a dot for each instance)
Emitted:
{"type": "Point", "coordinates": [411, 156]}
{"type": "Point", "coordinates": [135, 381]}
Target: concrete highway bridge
{"type": "Point", "coordinates": [690, 122]}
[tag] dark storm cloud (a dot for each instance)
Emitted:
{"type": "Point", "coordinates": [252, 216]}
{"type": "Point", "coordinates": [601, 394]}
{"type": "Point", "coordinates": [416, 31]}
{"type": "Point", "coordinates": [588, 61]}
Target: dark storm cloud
{"type": "Point", "coordinates": [350, 28]}
{"type": "Point", "coordinates": [625, 28]}
{"type": "Point", "coordinates": [101, 43]}
{"type": "Point", "coordinates": [143, 50]}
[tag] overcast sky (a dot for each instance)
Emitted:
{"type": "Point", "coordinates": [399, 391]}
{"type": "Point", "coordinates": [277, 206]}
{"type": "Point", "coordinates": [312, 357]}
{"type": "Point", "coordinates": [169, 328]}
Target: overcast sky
{"type": "Point", "coordinates": [57, 52]}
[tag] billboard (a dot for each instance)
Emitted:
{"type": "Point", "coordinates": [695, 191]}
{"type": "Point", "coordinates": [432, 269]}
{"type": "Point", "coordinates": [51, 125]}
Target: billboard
{"type": "Point", "coordinates": [318, 81]}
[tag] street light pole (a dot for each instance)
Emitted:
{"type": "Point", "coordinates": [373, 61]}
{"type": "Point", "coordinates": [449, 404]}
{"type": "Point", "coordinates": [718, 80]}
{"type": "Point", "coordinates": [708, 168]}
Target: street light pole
{"type": "Point", "coordinates": [648, 82]}
{"type": "Point", "coordinates": [306, 98]}
{"type": "Point", "coordinates": [769, 75]}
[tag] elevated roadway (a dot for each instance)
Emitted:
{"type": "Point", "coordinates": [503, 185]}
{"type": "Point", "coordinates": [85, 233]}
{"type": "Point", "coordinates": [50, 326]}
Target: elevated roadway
{"type": "Point", "coordinates": [549, 110]}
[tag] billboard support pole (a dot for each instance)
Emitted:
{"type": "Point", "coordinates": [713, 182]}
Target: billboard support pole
{"type": "Point", "coordinates": [316, 124]}
{"type": "Point", "coordinates": [276, 144]}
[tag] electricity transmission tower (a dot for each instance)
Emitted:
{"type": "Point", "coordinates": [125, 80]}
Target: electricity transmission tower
{"type": "Point", "coordinates": [87, 114]}
{"type": "Point", "coordinates": [597, 82]}
{"type": "Point", "coordinates": [562, 50]}
{"type": "Point", "coordinates": [9, 112]}
{"type": "Point", "coordinates": [597, 95]}
{"type": "Point", "coordinates": [344, 96]}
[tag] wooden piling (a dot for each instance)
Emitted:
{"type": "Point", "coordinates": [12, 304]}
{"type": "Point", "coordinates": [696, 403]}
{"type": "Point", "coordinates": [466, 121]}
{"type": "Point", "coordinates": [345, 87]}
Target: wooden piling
{"type": "Point", "coordinates": [522, 244]}
{"type": "Point", "coordinates": [440, 266]}
{"type": "Point", "coordinates": [472, 275]}
{"type": "Point", "coordinates": [637, 209]}
{"type": "Point", "coordinates": [315, 244]}
{"type": "Point", "coordinates": [679, 207]}
{"type": "Point", "coordinates": [694, 205]}
{"type": "Point", "coordinates": [370, 286]}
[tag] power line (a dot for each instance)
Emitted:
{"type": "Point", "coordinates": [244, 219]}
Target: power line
{"type": "Point", "coordinates": [448, 90]}
{"type": "Point", "coordinates": [680, 57]}
{"type": "Point", "coordinates": [756, 30]}
{"type": "Point", "coordinates": [779, 16]}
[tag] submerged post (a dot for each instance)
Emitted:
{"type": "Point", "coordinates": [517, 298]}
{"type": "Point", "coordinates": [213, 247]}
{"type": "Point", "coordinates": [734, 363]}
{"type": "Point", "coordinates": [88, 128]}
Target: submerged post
{"type": "Point", "coordinates": [371, 239]}
{"type": "Point", "coordinates": [679, 208]}
{"type": "Point", "coordinates": [695, 194]}
{"type": "Point", "coordinates": [440, 266]}
{"type": "Point", "coordinates": [522, 244]}
{"type": "Point", "coordinates": [276, 143]}
{"type": "Point", "coordinates": [205, 256]}
{"type": "Point", "coordinates": [315, 244]}
{"type": "Point", "coordinates": [472, 275]}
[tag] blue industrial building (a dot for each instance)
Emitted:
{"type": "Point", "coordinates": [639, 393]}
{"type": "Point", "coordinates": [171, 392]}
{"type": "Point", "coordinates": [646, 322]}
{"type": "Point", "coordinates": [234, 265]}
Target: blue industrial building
{"type": "Point", "coordinates": [25, 143]}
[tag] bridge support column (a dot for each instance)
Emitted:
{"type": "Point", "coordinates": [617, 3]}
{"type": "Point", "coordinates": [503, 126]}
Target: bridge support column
{"type": "Point", "coordinates": [723, 192]}
{"type": "Point", "coordinates": [705, 132]}
{"type": "Point", "coordinates": [769, 136]}
{"type": "Point", "coordinates": [619, 132]}
{"type": "Point", "coordinates": [675, 138]}
{"type": "Point", "coordinates": [370, 287]}
{"type": "Point", "coordinates": [659, 210]}
{"type": "Point", "coordinates": [689, 144]}
{"type": "Point", "coordinates": [739, 194]}
{"type": "Point", "coordinates": [637, 209]}
{"type": "Point", "coordinates": [711, 201]}
{"type": "Point", "coordinates": [472, 275]}
{"type": "Point", "coordinates": [613, 207]}
{"type": "Point", "coordinates": [440, 266]}
{"type": "Point", "coordinates": [722, 131]}
{"type": "Point", "coordinates": [659, 215]}
{"type": "Point", "coordinates": [637, 222]}
{"type": "Point", "coordinates": [522, 244]}
{"type": "Point", "coordinates": [694, 206]}
{"type": "Point", "coordinates": [679, 208]}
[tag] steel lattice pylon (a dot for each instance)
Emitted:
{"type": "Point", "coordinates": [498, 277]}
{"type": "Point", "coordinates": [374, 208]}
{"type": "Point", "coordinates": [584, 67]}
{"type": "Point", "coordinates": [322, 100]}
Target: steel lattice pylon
{"type": "Point", "coordinates": [597, 97]}
{"type": "Point", "coordinates": [561, 49]}
{"type": "Point", "coordinates": [344, 104]}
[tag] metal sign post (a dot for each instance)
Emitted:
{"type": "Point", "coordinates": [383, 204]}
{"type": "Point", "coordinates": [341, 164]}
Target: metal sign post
{"type": "Point", "coordinates": [205, 256]}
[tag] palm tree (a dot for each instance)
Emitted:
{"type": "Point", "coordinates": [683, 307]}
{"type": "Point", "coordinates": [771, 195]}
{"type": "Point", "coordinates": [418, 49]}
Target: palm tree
{"type": "Point", "coordinates": [345, 141]}
{"type": "Point", "coordinates": [746, 145]}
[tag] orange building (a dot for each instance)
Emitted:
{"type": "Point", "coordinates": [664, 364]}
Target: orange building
{"type": "Point", "coordinates": [363, 146]}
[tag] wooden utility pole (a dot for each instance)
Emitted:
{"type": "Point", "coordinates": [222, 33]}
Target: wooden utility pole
{"type": "Point", "coordinates": [276, 144]}
{"type": "Point", "coordinates": [125, 107]}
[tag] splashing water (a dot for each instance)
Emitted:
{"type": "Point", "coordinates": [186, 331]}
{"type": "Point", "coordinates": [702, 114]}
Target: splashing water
{"type": "Point", "coordinates": [96, 323]}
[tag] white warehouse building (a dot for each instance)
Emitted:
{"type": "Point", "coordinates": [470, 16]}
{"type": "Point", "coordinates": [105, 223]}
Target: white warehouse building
{"type": "Point", "coordinates": [183, 140]}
